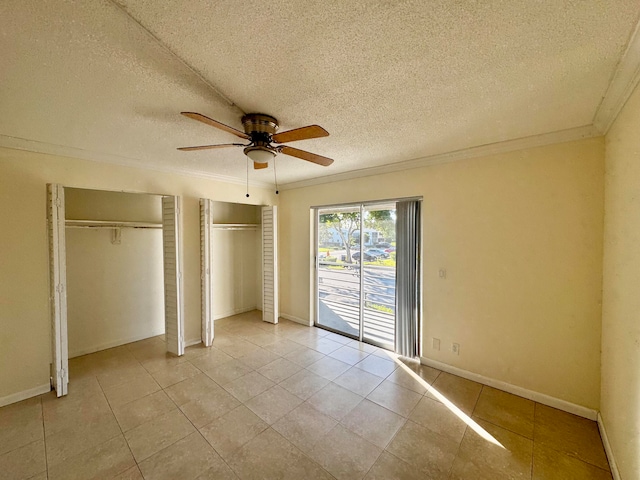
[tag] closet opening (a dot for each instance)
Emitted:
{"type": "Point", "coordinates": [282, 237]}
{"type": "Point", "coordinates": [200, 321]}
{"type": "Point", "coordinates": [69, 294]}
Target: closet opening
{"type": "Point", "coordinates": [115, 272]}
{"type": "Point", "coordinates": [114, 261]}
{"type": "Point", "coordinates": [238, 262]}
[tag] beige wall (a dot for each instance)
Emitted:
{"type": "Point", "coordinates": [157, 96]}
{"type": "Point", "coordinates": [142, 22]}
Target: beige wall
{"type": "Point", "coordinates": [115, 292]}
{"type": "Point", "coordinates": [236, 279]}
{"type": "Point", "coordinates": [620, 405]}
{"type": "Point", "coordinates": [520, 235]}
{"type": "Point", "coordinates": [24, 291]}
{"type": "Point", "coordinates": [237, 259]}
{"type": "Point", "coordinates": [83, 204]}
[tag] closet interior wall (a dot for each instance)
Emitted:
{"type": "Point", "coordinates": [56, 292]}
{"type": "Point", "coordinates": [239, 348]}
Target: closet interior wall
{"type": "Point", "coordinates": [236, 277]}
{"type": "Point", "coordinates": [115, 289]}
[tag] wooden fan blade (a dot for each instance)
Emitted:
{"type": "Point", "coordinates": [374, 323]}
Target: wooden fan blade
{"type": "Point", "coordinates": [303, 133]}
{"type": "Point", "coordinates": [258, 166]}
{"type": "Point", "coordinates": [209, 147]}
{"type": "Point", "coordinates": [209, 121]}
{"type": "Point", "coordinates": [308, 156]}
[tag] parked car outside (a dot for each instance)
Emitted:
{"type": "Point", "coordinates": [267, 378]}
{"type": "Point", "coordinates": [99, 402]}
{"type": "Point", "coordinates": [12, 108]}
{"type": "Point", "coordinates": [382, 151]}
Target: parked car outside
{"type": "Point", "coordinates": [367, 257]}
{"type": "Point", "coordinates": [376, 252]}
{"type": "Point", "coordinates": [383, 245]}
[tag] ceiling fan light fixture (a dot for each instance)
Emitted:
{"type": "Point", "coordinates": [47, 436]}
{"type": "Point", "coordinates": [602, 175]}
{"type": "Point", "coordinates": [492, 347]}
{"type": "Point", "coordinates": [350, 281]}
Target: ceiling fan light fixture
{"type": "Point", "coordinates": [260, 154]}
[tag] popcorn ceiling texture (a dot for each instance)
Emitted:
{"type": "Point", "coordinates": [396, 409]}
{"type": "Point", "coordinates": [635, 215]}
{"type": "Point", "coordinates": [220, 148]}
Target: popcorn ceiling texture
{"type": "Point", "coordinates": [390, 80]}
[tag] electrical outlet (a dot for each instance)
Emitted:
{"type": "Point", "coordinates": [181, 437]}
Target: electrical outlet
{"type": "Point", "coordinates": [455, 348]}
{"type": "Point", "coordinates": [442, 273]}
{"type": "Point", "coordinates": [436, 343]}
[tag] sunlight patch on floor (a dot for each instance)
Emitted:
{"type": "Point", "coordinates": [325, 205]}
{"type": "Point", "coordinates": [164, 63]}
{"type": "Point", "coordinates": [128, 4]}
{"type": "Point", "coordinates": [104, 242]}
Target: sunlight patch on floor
{"type": "Point", "coordinates": [447, 403]}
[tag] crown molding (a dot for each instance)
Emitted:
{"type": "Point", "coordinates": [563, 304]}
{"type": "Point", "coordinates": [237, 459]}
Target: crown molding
{"type": "Point", "coordinates": [81, 154]}
{"type": "Point", "coordinates": [561, 136]}
{"type": "Point", "coordinates": [623, 83]}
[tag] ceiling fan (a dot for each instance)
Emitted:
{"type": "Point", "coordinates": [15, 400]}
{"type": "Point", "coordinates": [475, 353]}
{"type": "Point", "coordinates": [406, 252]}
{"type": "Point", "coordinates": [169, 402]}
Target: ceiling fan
{"type": "Point", "coordinates": [260, 131]}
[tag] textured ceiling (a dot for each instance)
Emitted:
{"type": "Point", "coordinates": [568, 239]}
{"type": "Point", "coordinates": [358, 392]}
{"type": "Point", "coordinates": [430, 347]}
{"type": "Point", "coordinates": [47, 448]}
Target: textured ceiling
{"type": "Point", "coordinates": [390, 80]}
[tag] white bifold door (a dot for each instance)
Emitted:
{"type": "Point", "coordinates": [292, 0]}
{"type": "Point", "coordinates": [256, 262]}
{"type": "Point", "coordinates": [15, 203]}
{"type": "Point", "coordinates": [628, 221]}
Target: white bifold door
{"type": "Point", "coordinates": [206, 267]}
{"type": "Point", "coordinates": [270, 307]}
{"type": "Point", "coordinates": [269, 267]}
{"type": "Point", "coordinates": [173, 283]}
{"type": "Point", "coordinates": [57, 289]}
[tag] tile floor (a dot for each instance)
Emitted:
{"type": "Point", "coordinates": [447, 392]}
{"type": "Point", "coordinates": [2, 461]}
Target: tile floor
{"type": "Point", "coordinates": [286, 402]}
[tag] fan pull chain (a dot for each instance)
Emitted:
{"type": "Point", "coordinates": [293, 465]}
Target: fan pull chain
{"type": "Point", "coordinates": [275, 176]}
{"type": "Point", "coordinates": [247, 177]}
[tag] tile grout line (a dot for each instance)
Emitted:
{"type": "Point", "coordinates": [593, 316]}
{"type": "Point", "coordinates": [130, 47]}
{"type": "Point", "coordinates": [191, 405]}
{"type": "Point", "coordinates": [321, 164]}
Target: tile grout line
{"type": "Point", "coordinates": [533, 448]}
{"type": "Point", "coordinates": [566, 454]}
{"type": "Point", "coordinates": [301, 451]}
{"type": "Point", "coordinates": [44, 439]}
{"type": "Point", "coordinates": [119, 426]}
{"type": "Point", "coordinates": [466, 428]}
{"type": "Point", "coordinates": [533, 441]}
{"type": "Point", "coordinates": [196, 429]}
{"type": "Point", "coordinates": [303, 401]}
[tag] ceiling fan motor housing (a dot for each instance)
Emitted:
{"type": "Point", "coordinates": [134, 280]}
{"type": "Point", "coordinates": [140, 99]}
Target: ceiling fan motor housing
{"type": "Point", "coordinates": [259, 123]}
{"type": "Point", "coordinates": [260, 128]}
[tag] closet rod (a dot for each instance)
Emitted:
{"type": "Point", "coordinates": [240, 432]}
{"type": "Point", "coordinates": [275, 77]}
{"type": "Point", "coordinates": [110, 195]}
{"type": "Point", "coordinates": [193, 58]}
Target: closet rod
{"type": "Point", "coordinates": [235, 226]}
{"type": "Point", "coordinates": [109, 224]}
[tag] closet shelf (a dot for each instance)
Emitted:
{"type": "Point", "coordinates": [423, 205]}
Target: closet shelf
{"type": "Point", "coordinates": [235, 226]}
{"type": "Point", "coordinates": [109, 224]}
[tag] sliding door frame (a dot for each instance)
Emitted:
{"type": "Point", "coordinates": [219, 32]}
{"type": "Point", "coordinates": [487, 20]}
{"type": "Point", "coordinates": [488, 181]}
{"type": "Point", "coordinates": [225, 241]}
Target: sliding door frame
{"type": "Point", "coordinates": [315, 297]}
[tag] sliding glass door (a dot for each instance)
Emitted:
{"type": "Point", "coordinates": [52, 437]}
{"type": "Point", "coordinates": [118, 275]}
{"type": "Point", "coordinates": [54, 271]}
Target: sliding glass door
{"type": "Point", "coordinates": [355, 265]}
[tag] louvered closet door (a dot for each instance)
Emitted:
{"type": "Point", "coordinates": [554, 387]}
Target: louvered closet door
{"type": "Point", "coordinates": [270, 308]}
{"type": "Point", "coordinates": [173, 291]}
{"type": "Point", "coordinates": [205, 270]}
{"type": "Point", "coordinates": [58, 288]}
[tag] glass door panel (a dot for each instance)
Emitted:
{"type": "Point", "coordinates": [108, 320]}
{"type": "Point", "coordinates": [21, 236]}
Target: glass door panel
{"type": "Point", "coordinates": [338, 274]}
{"type": "Point", "coordinates": [379, 275]}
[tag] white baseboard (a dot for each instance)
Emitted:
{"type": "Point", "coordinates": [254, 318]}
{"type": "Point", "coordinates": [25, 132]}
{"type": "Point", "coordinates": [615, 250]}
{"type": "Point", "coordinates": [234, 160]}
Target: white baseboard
{"type": "Point", "coordinates": [19, 396]}
{"type": "Point", "coordinates": [615, 473]}
{"type": "Point", "coordinates": [302, 321]}
{"type": "Point", "coordinates": [548, 400]}
{"type": "Point", "coordinates": [231, 313]}
{"type": "Point", "coordinates": [115, 343]}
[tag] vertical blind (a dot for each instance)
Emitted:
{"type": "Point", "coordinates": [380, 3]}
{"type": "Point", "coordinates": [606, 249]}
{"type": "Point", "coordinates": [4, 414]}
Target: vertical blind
{"type": "Point", "coordinates": [408, 291]}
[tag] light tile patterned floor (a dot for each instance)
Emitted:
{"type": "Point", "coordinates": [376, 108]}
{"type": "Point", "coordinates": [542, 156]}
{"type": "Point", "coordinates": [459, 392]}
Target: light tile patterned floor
{"type": "Point", "coordinates": [286, 402]}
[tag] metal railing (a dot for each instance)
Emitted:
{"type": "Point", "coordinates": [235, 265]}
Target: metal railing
{"type": "Point", "coordinates": [339, 292]}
